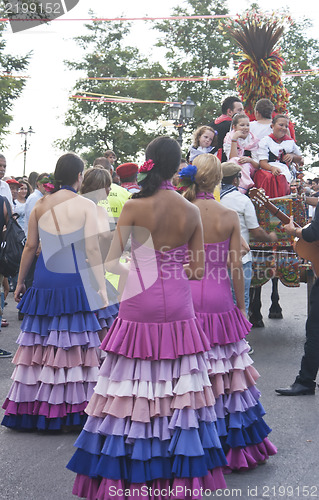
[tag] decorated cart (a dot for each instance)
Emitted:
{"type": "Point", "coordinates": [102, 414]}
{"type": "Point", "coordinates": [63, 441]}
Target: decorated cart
{"type": "Point", "coordinates": [259, 76]}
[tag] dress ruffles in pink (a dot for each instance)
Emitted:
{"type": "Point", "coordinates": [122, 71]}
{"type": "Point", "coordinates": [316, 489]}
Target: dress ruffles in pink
{"type": "Point", "coordinates": [240, 425]}
{"type": "Point", "coordinates": [151, 418]}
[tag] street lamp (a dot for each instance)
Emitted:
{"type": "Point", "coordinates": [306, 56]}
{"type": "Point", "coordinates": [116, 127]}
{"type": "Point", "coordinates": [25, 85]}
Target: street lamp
{"type": "Point", "coordinates": [25, 145]}
{"type": "Point", "coordinates": [181, 114]}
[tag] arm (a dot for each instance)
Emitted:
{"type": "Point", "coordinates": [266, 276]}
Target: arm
{"type": "Point", "coordinates": [28, 255]}
{"type": "Point", "coordinates": [260, 235]}
{"type": "Point", "coordinates": [92, 249]}
{"type": "Point", "coordinates": [121, 235]}
{"type": "Point", "coordinates": [311, 200]}
{"type": "Point", "coordinates": [293, 157]}
{"type": "Point", "coordinates": [196, 264]}
{"type": "Point", "coordinates": [233, 145]}
{"type": "Point", "coordinates": [247, 159]}
{"type": "Point", "coordinates": [253, 226]}
{"type": "Point", "coordinates": [236, 267]}
{"type": "Point", "coordinates": [265, 165]}
{"type": "Point", "coordinates": [105, 235]}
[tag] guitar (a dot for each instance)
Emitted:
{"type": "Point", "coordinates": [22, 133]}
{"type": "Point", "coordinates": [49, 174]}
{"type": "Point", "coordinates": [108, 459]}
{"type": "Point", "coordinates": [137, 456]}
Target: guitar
{"type": "Point", "coordinates": [305, 250]}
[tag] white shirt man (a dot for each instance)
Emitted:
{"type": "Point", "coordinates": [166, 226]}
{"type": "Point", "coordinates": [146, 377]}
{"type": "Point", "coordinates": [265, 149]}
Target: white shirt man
{"type": "Point", "coordinates": [4, 188]}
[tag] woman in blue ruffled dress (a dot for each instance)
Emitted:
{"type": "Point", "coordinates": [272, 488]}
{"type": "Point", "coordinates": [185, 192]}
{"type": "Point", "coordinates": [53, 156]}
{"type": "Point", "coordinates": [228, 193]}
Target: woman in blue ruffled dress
{"type": "Point", "coordinates": [57, 360]}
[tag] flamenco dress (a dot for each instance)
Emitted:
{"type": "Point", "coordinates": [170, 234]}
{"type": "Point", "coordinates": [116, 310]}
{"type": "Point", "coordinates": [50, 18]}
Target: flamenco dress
{"type": "Point", "coordinates": [273, 150]}
{"type": "Point", "coordinates": [151, 426]}
{"type": "Point", "coordinates": [57, 360]}
{"type": "Point", "coordinates": [240, 423]}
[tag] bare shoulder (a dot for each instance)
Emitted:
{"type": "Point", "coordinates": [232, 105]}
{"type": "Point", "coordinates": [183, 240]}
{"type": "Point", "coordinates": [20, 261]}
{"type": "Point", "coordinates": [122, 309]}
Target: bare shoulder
{"type": "Point", "coordinates": [228, 213]}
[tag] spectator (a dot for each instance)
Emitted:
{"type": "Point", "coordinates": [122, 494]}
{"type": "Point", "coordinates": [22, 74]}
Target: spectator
{"type": "Point", "coordinates": [33, 177]}
{"type": "Point", "coordinates": [230, 106]}
{"type": "Point", "coordinates": [117, 196]}
{"type": "Point", "coordinates": [110, 156]}
{"type": "Point", "coordinates": [4, 188]}
{"type": "Point", "coordinates": [33, 198]}
{"type": "Point", "coordinates": [14, 186]}
{"type": "Point", "coordinates": [261, 127]}
{"type": "Point", "coordinates": [3, 221]}
{"type": "Point", "coordinates": [230, 197]}
{"type": "Point", "coordinates": [20, 203]}
{"type": "Point", "coordinates": [127, 173]}
{"type": "Point", "coordinates": [176, 179]}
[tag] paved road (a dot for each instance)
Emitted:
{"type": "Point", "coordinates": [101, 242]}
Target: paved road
{"type": "Point", "coordinates": [32, 465]}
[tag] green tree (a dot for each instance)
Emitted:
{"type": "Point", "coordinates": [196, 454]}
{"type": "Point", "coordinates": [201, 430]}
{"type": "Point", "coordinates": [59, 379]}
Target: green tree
{"type": "Point", "coordinates": [302, 52]}
{"type": "Point", "coordinates": [10, 88]}
{"type": "Point", "coordinates": [198, 47]}
{"type": "Point", "coordinates": [124, 127]}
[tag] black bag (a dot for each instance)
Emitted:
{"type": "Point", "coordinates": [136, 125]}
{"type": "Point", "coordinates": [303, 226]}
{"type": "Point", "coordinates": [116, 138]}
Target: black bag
{"type": "Point", "coordinates": [12, 245]}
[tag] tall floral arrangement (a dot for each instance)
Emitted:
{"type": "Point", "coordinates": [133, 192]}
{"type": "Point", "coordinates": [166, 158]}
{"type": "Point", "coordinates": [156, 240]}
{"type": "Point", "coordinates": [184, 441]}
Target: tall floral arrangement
{"type": "Point", "coordinates": [259, 73]}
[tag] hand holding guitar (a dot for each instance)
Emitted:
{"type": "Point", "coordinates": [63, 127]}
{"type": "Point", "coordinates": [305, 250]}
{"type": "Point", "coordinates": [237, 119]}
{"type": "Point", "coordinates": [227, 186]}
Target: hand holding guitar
{"type": "Point", "coordinates": [291, 228]}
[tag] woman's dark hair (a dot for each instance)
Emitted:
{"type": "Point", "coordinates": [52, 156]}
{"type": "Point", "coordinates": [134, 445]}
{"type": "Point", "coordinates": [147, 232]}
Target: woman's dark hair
{"type": "Point", "coordinates": [166, 155]}
{"type": "Point", "coordinates": [33, 177]}
{"type": "Point", "coordinates": [67, 170]}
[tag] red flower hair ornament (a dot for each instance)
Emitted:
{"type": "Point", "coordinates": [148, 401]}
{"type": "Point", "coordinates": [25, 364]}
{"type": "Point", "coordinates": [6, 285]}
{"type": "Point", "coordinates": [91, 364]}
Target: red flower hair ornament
{"type": "Point", "coordinates": [144, 170]}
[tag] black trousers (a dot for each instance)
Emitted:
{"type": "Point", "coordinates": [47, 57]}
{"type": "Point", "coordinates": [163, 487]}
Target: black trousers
{"type": "Point", "coordinates": [310, 360]}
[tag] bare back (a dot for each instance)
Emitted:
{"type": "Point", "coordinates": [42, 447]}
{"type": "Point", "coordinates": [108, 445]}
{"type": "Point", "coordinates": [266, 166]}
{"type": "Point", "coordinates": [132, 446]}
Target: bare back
{"type": "Point", "coordinates": [168, 217]}
{"type": "Point", "coordinates": [218, 221]}
{"type": "Point", "coordinates": [69, 209]}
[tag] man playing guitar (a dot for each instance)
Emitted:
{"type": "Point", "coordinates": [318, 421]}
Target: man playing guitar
{"type": "Point", "coordinates": [305, 382]}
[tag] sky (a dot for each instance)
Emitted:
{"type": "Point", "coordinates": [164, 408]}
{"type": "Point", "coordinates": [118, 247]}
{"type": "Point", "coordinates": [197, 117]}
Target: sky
{"type": "Point", "coordinates": [46, 96]}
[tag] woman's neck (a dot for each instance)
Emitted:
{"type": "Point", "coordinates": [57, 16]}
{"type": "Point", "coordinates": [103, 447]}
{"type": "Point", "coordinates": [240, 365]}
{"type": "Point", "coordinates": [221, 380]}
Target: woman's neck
{"type": "Point", "coordinates": [21, 199]}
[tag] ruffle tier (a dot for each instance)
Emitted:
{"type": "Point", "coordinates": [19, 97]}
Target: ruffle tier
{"type": "Point", "coordinates": [54, 301]}
{"type": "Point", "coordinates": [155, 341]}
{"type": "Point", "coordinates": [225, 327]}
{"type": "Point", "coordinates": [161, 489]}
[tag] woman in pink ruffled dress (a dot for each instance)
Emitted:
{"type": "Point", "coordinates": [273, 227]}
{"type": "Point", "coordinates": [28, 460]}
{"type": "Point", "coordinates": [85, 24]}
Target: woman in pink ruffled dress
{"type": "Point", "coordinates": [240, 425]}
{"type": "Point", "coordinates": [151, 428]}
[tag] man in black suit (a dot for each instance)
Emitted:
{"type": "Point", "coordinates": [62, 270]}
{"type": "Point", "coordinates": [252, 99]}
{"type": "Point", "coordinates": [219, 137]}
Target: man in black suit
{"type": "Point", "coordinates": [305, 382]}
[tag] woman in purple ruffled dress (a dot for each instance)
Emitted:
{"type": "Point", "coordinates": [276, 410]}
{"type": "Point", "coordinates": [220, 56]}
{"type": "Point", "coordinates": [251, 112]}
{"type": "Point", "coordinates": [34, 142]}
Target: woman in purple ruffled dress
{"type": "Point", "coordinates": [240, 425]}
{"type": "Point", "coordinates": [151, 428]}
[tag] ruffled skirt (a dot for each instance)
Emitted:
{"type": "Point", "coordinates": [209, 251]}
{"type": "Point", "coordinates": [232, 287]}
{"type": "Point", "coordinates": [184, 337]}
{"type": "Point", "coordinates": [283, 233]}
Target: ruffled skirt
{"type": "Point", "coordinates": [152, 423]}
{"type": "Point", "coordinates": [240, 423]}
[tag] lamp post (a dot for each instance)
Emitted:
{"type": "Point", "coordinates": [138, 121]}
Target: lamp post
{"type": "Point", "coordinates": [25, 145]}
{"type": "Point", "coordinates": [181, 114]}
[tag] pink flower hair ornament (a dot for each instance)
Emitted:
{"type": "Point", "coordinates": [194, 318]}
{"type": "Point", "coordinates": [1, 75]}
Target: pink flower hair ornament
{"type": "Point", "coordinates": [144, 170]}
{"type": "Point", "coordinates": [48, 187]}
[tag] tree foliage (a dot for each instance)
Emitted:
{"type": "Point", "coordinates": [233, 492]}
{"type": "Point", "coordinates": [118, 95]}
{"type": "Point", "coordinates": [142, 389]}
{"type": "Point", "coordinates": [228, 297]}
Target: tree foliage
{"type": "Point", "coordinates": [10, 88]}
{"type": "Point", "coordinates": [301, 52]}
{"type": "Point", "coordinates": [198, 47]}
{"type": "Point", "coordinates": [124, 127]}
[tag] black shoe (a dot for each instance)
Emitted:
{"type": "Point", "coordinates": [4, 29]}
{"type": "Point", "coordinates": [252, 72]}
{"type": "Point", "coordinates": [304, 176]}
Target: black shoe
{"type": "Point", "coordinates": [296, 390]}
